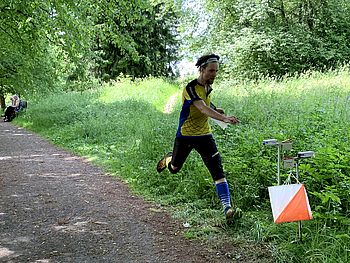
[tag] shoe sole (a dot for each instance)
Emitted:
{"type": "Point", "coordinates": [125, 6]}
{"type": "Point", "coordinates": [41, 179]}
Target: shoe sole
{"type": "Point", "coordinates": [161, 166]}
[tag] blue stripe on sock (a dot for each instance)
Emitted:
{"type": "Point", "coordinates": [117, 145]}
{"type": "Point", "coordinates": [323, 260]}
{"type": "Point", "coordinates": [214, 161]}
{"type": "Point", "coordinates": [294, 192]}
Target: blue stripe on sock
{"type": "Point", "coordinates": [224, 194]}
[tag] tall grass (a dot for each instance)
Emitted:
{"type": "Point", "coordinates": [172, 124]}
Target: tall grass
{"type": "Point", "coordinates": [127, 126]}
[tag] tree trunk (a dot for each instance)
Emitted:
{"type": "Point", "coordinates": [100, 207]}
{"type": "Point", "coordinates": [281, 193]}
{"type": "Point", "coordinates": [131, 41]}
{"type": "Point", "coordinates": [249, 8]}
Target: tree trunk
{"type": "Point", "coordinates": [283, 14]}
{"type": "Point", "coordinates": [2, 101]}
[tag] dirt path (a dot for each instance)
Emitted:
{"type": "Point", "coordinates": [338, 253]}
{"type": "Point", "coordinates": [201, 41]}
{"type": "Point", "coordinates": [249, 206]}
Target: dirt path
{"type": "Point", "coordinates": [56, 207]}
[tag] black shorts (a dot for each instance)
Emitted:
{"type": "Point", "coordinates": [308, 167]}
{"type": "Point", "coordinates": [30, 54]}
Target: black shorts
{"type": "Point", "coordinates": [205, 146]}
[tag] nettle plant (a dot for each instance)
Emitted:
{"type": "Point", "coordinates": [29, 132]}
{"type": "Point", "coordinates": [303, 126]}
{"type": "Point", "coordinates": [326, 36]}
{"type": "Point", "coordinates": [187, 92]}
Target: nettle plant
{"type": "Point", "coordinates": [328, 178]}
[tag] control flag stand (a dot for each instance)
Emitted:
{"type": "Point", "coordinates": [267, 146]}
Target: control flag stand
{"type": "Point", "coordinates": [289, 202]}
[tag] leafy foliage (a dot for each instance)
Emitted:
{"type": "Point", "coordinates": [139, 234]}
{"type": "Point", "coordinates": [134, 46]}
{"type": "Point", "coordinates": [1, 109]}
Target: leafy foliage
{"type": "Point", "coordinates": [38, 41]}
{"type": "Point", "coordinates": [123, 127]}
{"type": "Point", "coordinates": [48, 44]}
{"type": "Point", "coordinates": [135, 38]}
{"type": "Point", "coordinates": [275, 38]}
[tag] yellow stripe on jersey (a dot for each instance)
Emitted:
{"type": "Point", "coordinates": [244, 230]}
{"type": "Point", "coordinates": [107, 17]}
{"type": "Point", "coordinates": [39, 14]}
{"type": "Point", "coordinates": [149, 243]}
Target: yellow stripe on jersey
{"type": "Point", "coordinates": [192, 122]}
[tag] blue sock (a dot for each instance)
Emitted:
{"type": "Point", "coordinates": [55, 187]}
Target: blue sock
{"type": "Point", "coordinates": [224, 195]}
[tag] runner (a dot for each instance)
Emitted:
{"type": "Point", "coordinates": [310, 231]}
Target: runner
{"type": "Point", "coordinates": [194, 131]}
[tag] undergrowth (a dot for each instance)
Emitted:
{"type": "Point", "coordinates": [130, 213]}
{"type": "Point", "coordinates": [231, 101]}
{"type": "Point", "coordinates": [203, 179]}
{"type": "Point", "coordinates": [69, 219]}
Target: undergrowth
{"type": "Point", "coordinates": [127, 126]}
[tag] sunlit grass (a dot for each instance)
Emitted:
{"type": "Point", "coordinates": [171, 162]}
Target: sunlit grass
{"type": "Point", "coordinates": [153, 91]}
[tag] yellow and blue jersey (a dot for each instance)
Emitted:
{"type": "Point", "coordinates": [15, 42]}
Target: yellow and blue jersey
{"type": "Point", "coordinates": [192, 122]}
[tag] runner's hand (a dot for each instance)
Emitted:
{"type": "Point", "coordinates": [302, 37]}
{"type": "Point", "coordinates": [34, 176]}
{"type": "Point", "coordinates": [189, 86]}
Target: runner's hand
{"type": "Point", "coordinates": [231, 120]}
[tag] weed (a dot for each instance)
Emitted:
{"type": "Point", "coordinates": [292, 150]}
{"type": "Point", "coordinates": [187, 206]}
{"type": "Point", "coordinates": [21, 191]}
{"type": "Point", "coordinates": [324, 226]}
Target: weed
{"type": "Point", "coordinates": [124, 128]}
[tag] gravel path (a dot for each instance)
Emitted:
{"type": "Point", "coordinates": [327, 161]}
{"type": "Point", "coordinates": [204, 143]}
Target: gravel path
{"type": "Point", "coordinates": [56, 207]}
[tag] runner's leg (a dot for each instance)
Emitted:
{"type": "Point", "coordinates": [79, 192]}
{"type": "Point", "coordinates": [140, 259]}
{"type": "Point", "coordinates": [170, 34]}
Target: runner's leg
{"type": "Point", "coordinates": [206, 147]}
{"type": "Point", "coordinates": [181, 150]}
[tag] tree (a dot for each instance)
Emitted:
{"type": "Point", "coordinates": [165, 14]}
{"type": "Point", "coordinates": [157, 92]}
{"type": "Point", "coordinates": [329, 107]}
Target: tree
{"type": "Point", "coordinates": [39, 39]}
{"type": "Point", "coordinates": [277, 37]}
{"type": "Point", "coordinates": [48, 44]}
{"type": "Point", "coordinates": [136, 38]}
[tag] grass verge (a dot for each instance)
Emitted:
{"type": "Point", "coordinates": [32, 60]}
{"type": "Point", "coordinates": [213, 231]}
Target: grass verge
{"type": "Point", "coordinates": [127, 126]}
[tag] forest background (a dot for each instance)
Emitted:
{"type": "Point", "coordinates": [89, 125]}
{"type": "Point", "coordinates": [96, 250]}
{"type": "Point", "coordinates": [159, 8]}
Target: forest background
{"type": "Point", "coordinates": [287, 64]}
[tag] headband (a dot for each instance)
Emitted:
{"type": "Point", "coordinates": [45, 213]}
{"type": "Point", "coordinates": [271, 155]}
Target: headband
{"type": "Point", "coordinates": [208, 61]}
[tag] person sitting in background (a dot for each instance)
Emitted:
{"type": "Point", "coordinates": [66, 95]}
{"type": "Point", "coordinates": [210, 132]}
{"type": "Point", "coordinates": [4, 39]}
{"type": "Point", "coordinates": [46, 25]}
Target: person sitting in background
{"type": "Point", "coordinates": [15, 102]}
{"type": "Point", "coordinates": [11, 110]}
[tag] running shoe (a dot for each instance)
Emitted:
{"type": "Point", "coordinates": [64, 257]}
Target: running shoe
{"type": "Point", "coordinates": [162, 163]}
{"type": "Point", "coordinates": [232, 213]}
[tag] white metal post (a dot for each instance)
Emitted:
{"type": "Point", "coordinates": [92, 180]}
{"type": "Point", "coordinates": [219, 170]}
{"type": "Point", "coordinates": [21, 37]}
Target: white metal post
{"type": "Point", "coordinates": [297, 177]}
{"type": "Point", "coordinates": [279, 164]}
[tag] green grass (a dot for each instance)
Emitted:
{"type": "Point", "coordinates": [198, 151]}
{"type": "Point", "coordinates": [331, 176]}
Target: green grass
{"type": "Point", "coordinates": [125, 128]}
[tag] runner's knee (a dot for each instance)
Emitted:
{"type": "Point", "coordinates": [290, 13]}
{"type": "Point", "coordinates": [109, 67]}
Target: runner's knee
{"type": "Point", "coordinates": [215, 167]}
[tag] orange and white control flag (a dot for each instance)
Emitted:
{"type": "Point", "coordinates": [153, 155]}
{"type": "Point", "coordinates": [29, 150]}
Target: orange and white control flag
{"type": "Point", "coordinates": [289, 203]}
